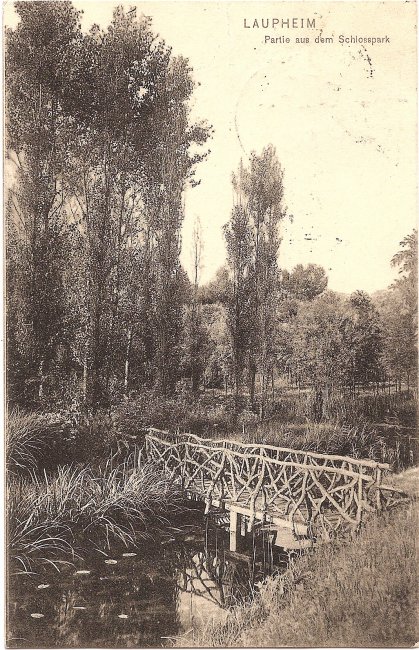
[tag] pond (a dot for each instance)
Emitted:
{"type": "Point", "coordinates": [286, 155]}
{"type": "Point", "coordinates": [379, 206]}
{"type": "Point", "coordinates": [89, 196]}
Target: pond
{"type": "Point", "coordinates": [140, 597]}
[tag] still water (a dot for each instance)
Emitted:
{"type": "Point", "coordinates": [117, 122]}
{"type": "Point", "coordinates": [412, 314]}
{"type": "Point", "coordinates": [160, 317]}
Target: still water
{"type": "Point", "coordinates": [139, 597]}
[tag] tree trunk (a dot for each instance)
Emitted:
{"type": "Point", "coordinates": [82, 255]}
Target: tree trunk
{"type": "Point", "coordinates": [273, 385]}
{"type": "Point", "coordinates": [85, 379]}
{"type": "Point", "coordinates": [127, 356]}
{"type": "Point", "coordinates": [252, 382]}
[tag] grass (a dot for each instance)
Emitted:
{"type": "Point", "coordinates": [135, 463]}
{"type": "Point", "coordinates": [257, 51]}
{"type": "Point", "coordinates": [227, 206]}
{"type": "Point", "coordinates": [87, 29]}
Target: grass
{"type": "Point", "coordinates": [28, 433]}
{"type": "Point", "coordinates": [381, 427]}
{"type": "Point", "coordinates": [48, 517]}
{"type": "Point", "coordinates": [360, 592]}
{"type": "Point", "coordinates": [323, 437]}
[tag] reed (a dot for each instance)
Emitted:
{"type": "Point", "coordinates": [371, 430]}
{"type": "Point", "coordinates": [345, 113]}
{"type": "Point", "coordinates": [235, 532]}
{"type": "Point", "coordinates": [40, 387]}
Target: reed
{"type": "Point", "coordinates": [50, 516]}
{"type": "Point", "coordinates": [28, 433]}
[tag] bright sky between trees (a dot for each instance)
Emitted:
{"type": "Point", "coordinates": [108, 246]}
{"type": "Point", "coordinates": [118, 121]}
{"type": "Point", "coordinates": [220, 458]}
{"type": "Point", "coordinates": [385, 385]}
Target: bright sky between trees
{"type": "Point", "coordinates": [341, 116]}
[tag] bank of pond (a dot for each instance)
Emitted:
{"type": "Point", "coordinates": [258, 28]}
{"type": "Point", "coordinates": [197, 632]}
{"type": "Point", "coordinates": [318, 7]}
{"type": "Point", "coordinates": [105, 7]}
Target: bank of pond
{"type": "Point", "coordinates": [185, 588]}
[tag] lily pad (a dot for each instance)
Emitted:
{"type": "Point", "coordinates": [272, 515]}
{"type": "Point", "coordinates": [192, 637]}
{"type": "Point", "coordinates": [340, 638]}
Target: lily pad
{"type": "Point", "coordinates": [122, 616]}
{"type": "Point", "coordinates": [111, 561]}
{"type": "Point", "coordinates": [37, 615]}
{"type": "Point", "coordinates": [43, 586]}
{"type": "Point", "coordinates": [129, 554]}
{"type": "Point", "coordinates": [83, 572]}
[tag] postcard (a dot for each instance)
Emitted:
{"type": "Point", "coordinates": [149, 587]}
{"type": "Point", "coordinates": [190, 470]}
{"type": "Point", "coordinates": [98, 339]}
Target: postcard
{"type": "Point", "coordinates": [211, 323]}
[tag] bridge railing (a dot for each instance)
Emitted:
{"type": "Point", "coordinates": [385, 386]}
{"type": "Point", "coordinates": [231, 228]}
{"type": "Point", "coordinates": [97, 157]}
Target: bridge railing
{"type": "Point", "coordinates": [309, 490]}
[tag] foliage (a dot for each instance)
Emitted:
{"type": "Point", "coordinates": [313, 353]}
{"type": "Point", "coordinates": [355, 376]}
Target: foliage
{"type": "Point", "coordinates": [207, 414]}
{"type": "Point", "coordinates": [101, 140]}
{"type": "Point", "coordinates": [40, 55]}
{"type": "Point", "coordinates": [363, 340]}
{"type": "Point", "coordinates": [398, 314]}
{"type": "Point", "coordinates": [317, 342]}
{"type": "Point", "coordinates": [219, 364]}
{"type": "Point", "coordinates": [381, 427]}
{"type": "Point", "coordinates": [304, 283]}
{"type": "Point", "coordinates": [105, 331]}
{"type": "Point", "coordinates": [218, 289]}
{"type": "Point", "coordinates": [252, 249]}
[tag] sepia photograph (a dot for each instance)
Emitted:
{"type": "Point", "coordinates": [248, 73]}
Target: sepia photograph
{"type": "Point", "coordinates": [210, 261]}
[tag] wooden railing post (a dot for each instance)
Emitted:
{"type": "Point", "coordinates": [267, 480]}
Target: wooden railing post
{"type": "Point", "coordinates": [235, 528]}
{"type": "Point", "coordinates": [360, 504]}
{"type": "Point", "coordinates": [252, 502]}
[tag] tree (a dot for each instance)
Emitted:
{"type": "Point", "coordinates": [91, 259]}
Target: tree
{"type": "Point", "coordinates": [407, 283]}
{"type": "Point", "coordinates": [258, 211]}
{"type": "Point", "coordinates": [399, 354]}
{"type": "Point", "coordinates": [40, 57]}
{"type": "Point", "coordinates": [130, 162]}
{"type": "Point", "coordinates": [168, 169]}
{"type": "Point", "coordinates": [304, 283]}
{"type": "Point", "coordinates": [100, 134]}
{"type": "Point", "coordinates": [239, 252]}
{"type": "Point", "coordinates": [196, 335]}
{"type": "Point", "coordinates": [363, 341]}
{"type": "Point", "coordinates": [398, 313]}
{"type": "Point", "coordinates": [318, 345]}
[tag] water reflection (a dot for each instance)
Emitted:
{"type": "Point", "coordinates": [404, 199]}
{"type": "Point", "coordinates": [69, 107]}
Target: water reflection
{"type": "Point", "coordinates": [167, 589]}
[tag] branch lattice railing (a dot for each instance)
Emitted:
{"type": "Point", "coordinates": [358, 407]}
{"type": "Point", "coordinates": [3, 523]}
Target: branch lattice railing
{"type": "Point", "coordinates": [318, 493]}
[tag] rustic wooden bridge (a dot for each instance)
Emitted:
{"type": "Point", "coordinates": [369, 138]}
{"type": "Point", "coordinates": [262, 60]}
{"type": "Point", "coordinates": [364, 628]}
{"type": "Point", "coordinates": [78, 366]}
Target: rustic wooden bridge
{"type": "Point", "coordinates": [300, 495]}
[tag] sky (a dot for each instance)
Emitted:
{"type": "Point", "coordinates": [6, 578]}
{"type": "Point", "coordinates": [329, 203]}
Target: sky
{"type": "Point", "coordinates": [342, 117]}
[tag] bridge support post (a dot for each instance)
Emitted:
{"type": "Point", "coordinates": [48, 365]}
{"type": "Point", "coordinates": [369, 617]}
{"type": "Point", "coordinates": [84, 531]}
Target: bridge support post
{"type": "Point", "coordinates": [235, 530]}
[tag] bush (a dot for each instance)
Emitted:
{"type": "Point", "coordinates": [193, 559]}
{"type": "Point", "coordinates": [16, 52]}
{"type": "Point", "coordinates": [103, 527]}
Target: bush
{"type": "Point", "coordinates": [204, 415]}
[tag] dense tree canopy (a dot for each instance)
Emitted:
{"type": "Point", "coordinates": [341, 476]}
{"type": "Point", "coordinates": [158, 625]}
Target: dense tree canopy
{"type": "Point", "coordinates": [99, 132]}
{"type": "Point", "coordinates": [100, 148]}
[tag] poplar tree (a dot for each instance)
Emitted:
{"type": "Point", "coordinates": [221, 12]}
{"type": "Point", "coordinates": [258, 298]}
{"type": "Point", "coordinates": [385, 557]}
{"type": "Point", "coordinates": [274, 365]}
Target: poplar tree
{"type": "Point", "coordinates": [40, 56]}
{"type": "Point", "coordinates": [259, 209]}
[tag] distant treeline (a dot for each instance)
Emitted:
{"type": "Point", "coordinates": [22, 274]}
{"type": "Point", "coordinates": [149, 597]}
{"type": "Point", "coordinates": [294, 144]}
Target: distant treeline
{"type": "Point", "coordinates": [100, 148]}
{"type": "Point", "coordinates": [264, 321]}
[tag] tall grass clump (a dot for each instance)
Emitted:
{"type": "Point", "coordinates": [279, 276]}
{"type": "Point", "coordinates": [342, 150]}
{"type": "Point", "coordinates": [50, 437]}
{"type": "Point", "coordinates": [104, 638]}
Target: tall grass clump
{"type": "Point", "coordinates": [357, 441]}
{"type": "Point", "coordinates": [31, 539]}
{"type": "Point", "coordinates": [359, 592]}
{"type": "Point", "coordinates": [53, 516]}
{"type": "Point", "coordinates": [27, 436]}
